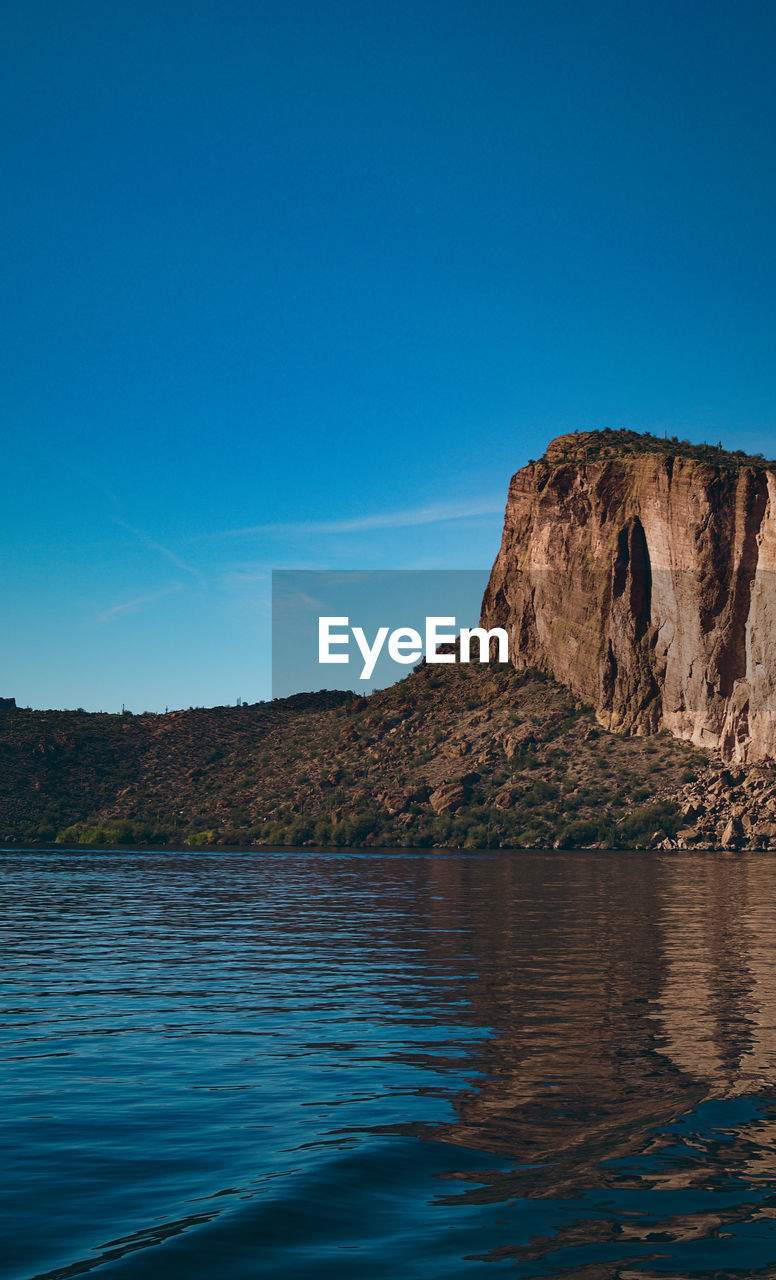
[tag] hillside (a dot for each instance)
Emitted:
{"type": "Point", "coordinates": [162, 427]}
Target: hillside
{"type": "Point", "coordinates": [450, 757]}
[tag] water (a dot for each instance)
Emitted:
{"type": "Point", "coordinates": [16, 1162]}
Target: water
{"type": "Point", "coordinates": [417, 1065]}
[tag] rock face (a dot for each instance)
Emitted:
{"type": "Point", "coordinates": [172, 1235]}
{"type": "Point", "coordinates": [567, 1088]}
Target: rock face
{"type": "Point", "coordinates": [642, 575]}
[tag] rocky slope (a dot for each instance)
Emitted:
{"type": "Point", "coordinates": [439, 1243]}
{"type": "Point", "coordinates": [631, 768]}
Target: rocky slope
{"type": "Point", "coordinates": [472, 757]}
{"type": "Point", "coordinates": [640, 573]}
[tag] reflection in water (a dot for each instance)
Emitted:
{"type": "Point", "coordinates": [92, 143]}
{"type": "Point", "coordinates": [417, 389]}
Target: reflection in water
{"type": "Point", "coordinates": [717, 1006]}
{"type": "Point", "coordinates": [633, 1004]}
{"type": "Point", "coordinates": [359, 1066]}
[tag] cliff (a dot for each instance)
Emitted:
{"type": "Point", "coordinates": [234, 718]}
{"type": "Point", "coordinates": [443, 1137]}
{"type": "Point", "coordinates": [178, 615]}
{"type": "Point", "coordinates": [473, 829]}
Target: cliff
{"type": "Point", "coordinates": [640, 573]}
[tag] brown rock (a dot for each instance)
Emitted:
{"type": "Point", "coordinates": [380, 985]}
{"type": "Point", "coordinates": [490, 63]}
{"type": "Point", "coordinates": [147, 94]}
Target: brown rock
{"type": "Point", "coordinates": [688, 835]}
{"type": "Point", "coordinates": [731, 836]}
{"type": "Point", "coordinates": [691, 810]}
{"type": "Point", "coordinates": [419, 792]}
{"type": "Point", "coordinates": [518, 741]}
{"type": "Point", "coordinates": [449, 796]}
{"type": "Point", "coordinates": [645, 583]}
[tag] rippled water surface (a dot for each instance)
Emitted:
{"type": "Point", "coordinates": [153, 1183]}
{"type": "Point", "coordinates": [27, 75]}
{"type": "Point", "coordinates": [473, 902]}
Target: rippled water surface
{"type": "Point", "coordinates": [419, 1065]}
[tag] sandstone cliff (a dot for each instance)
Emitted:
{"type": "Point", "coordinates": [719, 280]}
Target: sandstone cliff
{"type": "Point", "coordinates": [641, 573]}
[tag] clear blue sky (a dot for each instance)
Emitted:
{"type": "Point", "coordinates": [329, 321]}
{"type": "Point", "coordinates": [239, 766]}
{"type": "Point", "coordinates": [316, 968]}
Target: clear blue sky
{"type": "Point", "coordinates": [301, 284]}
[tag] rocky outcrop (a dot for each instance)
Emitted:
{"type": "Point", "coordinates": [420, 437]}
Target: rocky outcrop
{"type": "Point", "coordinates": [728, 808]}
{"type": "Point", "coordinates": [641, 573]}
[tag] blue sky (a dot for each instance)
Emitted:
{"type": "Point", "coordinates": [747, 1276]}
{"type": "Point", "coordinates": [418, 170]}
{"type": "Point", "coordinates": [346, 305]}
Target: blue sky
{"type": "Point", "coordinates": [300, 285]}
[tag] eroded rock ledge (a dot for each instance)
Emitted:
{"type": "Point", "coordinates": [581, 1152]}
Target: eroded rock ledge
{"type": "Point", "coordinates": [641, 573]}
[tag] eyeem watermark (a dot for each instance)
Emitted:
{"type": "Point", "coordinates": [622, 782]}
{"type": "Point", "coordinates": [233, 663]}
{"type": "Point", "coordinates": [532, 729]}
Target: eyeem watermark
{"type": "Point", "coordinates": [364, 629]}
{"type": "Point", "coordinates": [405, 644]}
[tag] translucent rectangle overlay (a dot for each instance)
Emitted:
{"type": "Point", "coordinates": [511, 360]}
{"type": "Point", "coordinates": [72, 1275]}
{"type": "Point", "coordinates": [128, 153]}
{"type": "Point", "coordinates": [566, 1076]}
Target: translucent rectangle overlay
{"type": "Point", "coordinates": [370, 600]}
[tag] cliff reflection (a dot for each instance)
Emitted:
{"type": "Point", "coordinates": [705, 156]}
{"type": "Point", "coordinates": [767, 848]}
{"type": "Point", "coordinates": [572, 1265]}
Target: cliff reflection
{"type": "Point", "coordinates": [717, 1006]}
{"type": "Point", "coordinates": [623, 992]}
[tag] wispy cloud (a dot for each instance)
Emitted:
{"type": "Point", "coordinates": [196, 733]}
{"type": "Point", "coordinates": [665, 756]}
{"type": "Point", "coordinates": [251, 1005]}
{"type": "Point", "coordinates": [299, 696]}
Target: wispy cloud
{"type": "Point", "coordinates": [116, 504]}
{"type": "Point", "coordinates": [434, 513]}
{"type": "Point", "coordinates": [139, 602]}
{"type": "Point", "coordinates": [168, 554]}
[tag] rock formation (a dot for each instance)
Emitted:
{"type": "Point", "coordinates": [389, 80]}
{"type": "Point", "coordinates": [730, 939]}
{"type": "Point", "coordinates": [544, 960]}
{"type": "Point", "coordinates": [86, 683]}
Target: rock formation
{"type": "Point", "coordinates": [641, 573]}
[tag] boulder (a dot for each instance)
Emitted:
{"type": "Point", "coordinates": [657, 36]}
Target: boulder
{"type": "Point", "coordinates": [449, 796]}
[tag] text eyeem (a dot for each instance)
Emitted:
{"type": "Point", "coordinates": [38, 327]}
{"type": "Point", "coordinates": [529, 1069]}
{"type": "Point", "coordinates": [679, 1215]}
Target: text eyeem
{"type": "Point", "coordinates": [405, 644]}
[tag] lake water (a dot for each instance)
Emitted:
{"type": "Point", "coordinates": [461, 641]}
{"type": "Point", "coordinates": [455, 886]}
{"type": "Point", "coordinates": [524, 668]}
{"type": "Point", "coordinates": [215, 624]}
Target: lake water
{"type": "Point", "coordinates": [223, 1066]}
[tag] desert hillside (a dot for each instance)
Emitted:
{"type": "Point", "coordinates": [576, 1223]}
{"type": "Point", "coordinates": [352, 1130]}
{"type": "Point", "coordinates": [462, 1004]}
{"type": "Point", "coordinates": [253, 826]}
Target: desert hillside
{"type": "Point", "coordinates": [480, 757]}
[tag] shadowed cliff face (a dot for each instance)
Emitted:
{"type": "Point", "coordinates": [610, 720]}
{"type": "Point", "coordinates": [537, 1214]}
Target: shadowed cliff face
{"type": "Point", "coordinates": [645, 582]}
